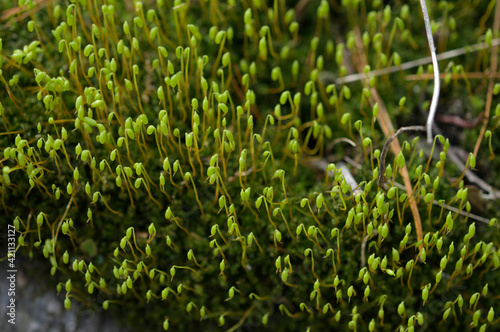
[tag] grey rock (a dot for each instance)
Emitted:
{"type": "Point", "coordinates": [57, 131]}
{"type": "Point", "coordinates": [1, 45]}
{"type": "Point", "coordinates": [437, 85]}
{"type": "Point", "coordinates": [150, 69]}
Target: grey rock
{"type": "Point", "coordinates": [40, 309]}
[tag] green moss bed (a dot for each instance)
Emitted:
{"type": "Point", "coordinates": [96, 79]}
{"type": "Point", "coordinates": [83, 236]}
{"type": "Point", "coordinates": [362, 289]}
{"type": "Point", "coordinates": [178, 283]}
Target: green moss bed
{"type": "Point", "coordinates": [212, 165]}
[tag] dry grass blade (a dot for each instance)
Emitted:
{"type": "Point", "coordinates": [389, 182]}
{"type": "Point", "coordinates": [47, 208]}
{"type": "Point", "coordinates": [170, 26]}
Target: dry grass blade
{"type": "Point", "coordinates": [469, 76]}
{"type": "Point", "coordinates": [388, 129]}
{"type": "Point", "coordinates": [7, 14]}
{"type": "Point", "coordinates": [494, 67]}
{"type": "Point", "coordinates": [419, 62]}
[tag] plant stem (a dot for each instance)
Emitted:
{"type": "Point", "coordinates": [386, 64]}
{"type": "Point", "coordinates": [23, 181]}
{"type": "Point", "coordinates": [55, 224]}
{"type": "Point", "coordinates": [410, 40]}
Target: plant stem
{"type": "Point", "coordinates": [435, 65]}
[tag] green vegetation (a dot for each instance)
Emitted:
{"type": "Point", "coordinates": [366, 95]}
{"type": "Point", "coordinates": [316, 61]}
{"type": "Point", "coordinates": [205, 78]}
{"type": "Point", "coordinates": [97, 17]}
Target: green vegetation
{"type": "Point", "coordinates": [186, 164]}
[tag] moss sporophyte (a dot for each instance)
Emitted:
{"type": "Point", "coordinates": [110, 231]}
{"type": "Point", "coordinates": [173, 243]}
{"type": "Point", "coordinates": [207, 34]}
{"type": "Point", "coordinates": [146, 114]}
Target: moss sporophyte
{"type": "Point", "coordinates": [237, 165]}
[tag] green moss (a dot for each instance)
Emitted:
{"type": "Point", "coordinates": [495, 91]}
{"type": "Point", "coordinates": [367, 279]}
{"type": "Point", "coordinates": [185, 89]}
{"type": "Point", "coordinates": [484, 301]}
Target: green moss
{"type": "Point", "coordinates": [177, 155]}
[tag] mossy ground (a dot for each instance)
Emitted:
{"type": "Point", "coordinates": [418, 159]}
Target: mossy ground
{"type": "Point", "coordinates": [160, 157]}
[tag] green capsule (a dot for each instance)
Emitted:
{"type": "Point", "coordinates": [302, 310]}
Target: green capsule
{"type": "Point", "coordinates": [284, 275]}
{"type": "Point", "coordinates": [425, 293]}
{"type": "Point", "coordinates": [385, 230]}
{"type": "Point", "coordinates": [423, 255]}
{"type": "Point", "coordinates": [65, 228]}
{"type": "Point", "coordinates": [438, 277]}
{"type": "Point", "coordinates": [366, 278]}
{"type": "Point", "coordinates": [485, 290]}
{"type": "Point", "coordinates": [68, 285]}
{"type": "Point", "coordinates": [39, 219]}
{"type": "Point", "coordinates": [67, 304]}
{"type": "Point", "coordinates": [350, 291]}
{"type": "Point", "coordinates": [123, 243]}
{"type": "Point", "coordinates": [401, 309]}
{"type": "Point", "coordinates": [496, 259]}
{"type": "Point", "coordinates": [69, 189]}
{"type": "Point", "coordinates": [491, 315]}
{"type": "Point", "coordinates": [449, 221]}
{"type": "Point", "coordinates": [367, 291]}
{"type": "Point", "coordinates": [395, 255]}
{"type": "Point", "coordinates": [446, 313]}
{"type": "Point", "coordinates": [439, 243]}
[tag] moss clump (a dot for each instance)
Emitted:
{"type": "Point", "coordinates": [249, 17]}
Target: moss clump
{"type": "Point", "coordinates": [180, 163]}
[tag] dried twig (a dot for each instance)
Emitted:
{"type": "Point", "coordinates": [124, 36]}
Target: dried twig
{"type": "Point", "coordinates": [469, 76]}
{"type": "Point", "coordinates": [492, 193]}
{"type": "Point", "coordinates": [381, 180]}
{"type": "Point", "coordinates": [458, 121]}
{"type": "Point", "coordinates": [363, 247]}
{"type": "Point", "coordinates": [416, 63]}
{"type": "Point", "coordinates": [454, 209]}
{"type": "Point", "coordinates": [435, 202]}
{"type": "Point", "coordinates": [494, 66]}
{"type": "Point", "coordinates": [7, 14]}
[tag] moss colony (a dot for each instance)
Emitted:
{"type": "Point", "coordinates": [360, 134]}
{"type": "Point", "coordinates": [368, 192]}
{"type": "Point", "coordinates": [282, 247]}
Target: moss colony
{"type": "Point", "coordinates": [212, 165]}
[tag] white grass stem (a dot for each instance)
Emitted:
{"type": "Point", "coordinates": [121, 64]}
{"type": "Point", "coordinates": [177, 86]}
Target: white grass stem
{"type": "Point", "coordinates": [435, 94]}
